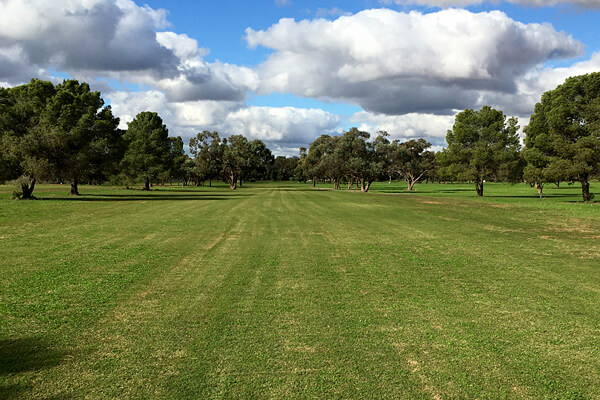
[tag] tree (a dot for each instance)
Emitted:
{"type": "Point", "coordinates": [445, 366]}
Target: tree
{"type": "Point", "coordinates": [412, 160]}
{"type": "Point", "coordinates": [80, 131]}
{"type": "Point", "coordinates": [207, 150]}
{"type": "Point", "coordinates": [563, 137]}
{"type": "Point", "coordinates": [177, 158]}
{"type": "Point", "coordinates": [148, 148]}
{"type": "Point", "coordinates": [261, 161]}
{"type": "Point", "coordinates": [285, 168]}
{"type": "Point", "coordinates": [482, 145]}
{"type": "Point", "coordinates": [25, 150]}
{"type": "Point", "coordinates": [363, 159]}
{"type": "Point", "coordinates": [236, 155]}
{"type": "Point", "coordinates": [311, 163]}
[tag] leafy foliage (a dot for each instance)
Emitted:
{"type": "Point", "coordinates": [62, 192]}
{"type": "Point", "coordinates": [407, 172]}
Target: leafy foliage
{"type": "Point", "coordinates": [482, 145]}
{"type": "Point", "coordinates": [148, 148]}
{"type": "Point", "coordinates": [563, 136]}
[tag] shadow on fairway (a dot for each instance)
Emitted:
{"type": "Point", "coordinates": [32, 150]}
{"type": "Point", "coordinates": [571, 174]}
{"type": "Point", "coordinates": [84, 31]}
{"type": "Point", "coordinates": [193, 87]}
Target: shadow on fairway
{"type": "Point", "coordinates": [532, 196]}
{"type": "Point", "coordinates": [145, 197]}
{"type": "Point", "coordinates": [25, 355]}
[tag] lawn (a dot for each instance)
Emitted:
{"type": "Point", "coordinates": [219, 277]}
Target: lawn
{"type": "Point", "coordinates": [285, 291]}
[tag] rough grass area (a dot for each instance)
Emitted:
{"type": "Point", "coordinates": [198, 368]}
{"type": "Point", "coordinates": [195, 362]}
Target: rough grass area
{"type": "Point", "coordinates": [283, 291]}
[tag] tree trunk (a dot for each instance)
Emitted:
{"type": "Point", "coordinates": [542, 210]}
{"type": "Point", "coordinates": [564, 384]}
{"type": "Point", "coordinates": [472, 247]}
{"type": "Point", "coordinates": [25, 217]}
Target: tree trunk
{"type": "Point", "coordinates": [350, 183]}
{"type": "Point", "coordinates": [147, 184]}
{"type": "Point", "coordinates": [479, 187]}
{"type": "Point", "coordinates": [314, 182]}
{"type": "Point", "coordinates": [366, 187]}
{"type": "Point", "coordinates": [585, 190]}
{"type": "Point", "coordinates": [411, 183]}
{"type": "Point", "coordinates": [27, 190]}
{"type": "Point", "coordinates": [336, 184]}
{"type": "Point", "coordinates": [540, 188]}
{"type": "Point", "coordinates": [232, 182]}
{"type": "Point", "coordinates": [209, 182]}
{"type": "Point", "coordinates": [74, 188]}
{"type": "Point", "coordinates": [557, 184]}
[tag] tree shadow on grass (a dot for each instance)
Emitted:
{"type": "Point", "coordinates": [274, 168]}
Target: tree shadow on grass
{"type": "Point", "coordinates": [143, 197]}
{"type": "Point", "coordinates": [530, 196]}
{"type": "Point", "coordinates": [21, 355]}
{"type": "Point", "coordinates": [421, 191]}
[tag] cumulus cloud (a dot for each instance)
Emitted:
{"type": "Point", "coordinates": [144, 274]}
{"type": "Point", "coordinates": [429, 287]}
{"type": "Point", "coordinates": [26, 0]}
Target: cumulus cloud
{"type": "Point", "coordinates": [396, 63]}
{"type": "Point", "coordinates": [404, 127]}
{"type": "Point", "coordinates": [466, 3]}
{"type": "Point", "coordinates": [279, 127]}
{"type": "Point", "coordinates": [111, 39]}
{"type": "Point", "coordinates": [85, 35]}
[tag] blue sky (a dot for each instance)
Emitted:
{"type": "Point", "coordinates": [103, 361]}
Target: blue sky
{"type": "Point", "coordinates": [287, 71]}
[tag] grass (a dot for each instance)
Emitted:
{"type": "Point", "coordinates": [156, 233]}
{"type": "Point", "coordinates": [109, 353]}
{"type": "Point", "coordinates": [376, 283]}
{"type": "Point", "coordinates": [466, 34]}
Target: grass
{"type": "Point", "coordinates": [282, 291]}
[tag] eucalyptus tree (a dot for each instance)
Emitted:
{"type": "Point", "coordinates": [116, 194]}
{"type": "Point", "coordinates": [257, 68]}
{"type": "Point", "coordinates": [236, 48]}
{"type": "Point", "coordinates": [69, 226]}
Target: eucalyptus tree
{"type": "Point", "coordinates": [563, 137]}
{"type": "Point", "coordinates": [261, 161]}
{"type": "Point", "coordinates": [482, 145]}
{"type": "Point", "coordinates": [412, 160]}
{"type": "Point", "coordinates": [236, 155]}
{"type": "Point", "coordinates": [362, 160]}
{"type": "Point", "coordinates": [311, 163]}
{"type": "Point", "coordinates": [285, 168]}
{"type": "Point", "coordinates": [207, 150]}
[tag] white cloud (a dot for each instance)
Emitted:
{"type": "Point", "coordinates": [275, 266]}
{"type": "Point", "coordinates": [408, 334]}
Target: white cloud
{"type": "Point", "coordinates": [90, 39]}
{"type": "Point", "coordinates": [279, 127]}
{"type": "Point", "coordinates": [466, 3]}
{"type": "Point", "coordinates": [85, 35]}
{"type": "Point", "coordinates": [409, 126]}
{"type": "Point", "coordinates": [395, 63]}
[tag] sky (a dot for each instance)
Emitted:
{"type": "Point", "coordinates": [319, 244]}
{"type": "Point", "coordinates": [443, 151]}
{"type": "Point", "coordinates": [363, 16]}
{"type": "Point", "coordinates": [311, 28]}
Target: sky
{"type": "Point", "coordinates": [287, 71]}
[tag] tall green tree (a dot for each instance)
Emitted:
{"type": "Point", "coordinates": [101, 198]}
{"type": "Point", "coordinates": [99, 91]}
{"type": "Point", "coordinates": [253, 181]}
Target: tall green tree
{"type": "Point", "coordinates": [25, 149]}
{"type": "Point", "coordinates": [236, 156]}
{"type": "Point", "coordinates": [261, 161]}
{"type": "Point", "coordinates": [82, 133]}
{"type": "Point", "coordinates": [563, 137]}
{"type": "Point", "coordinates": [148, 148]}
{"type": "Point", "coordinates": [177, 159]}
{"type": "Point", "coordinates": [364, 159]}
{"type": "Point", "coordinates": [482, 145]}
{"type": "Point", "coordinates": [207, 150]}
{"type": "Point", "coordinates": [311, 162]}
{"type": "Point", "coordinates": [285, 168]}
{"type": "Point", "coordinates": [412, 160]}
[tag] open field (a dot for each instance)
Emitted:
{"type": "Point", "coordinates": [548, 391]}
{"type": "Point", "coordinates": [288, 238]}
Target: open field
{"type": "Point", "coordinates": [283, 291]}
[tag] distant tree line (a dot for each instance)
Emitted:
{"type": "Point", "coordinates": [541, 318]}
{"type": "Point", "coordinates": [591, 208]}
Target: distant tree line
{"type": "Point", "coordinates": [65, 133]}
{"type": "Point", "coordinates": [562, 144]}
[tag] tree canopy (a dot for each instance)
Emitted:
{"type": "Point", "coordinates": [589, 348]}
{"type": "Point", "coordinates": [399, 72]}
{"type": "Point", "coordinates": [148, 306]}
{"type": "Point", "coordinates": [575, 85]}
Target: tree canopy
{"type": "Point", "coordinates": [482, 145]}
{"type": "Point", "coordinates": [148, 148]}
{"type": "Point", "coordinates": [563, 137]}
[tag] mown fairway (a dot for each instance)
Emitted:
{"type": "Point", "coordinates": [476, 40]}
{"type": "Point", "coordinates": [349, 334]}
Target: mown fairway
{"type": "Point", "coordinates": [282, 291]}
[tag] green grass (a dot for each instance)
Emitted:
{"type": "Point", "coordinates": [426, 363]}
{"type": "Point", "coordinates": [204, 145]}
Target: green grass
{"type": "Point", "coordinates": [282, 291]}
